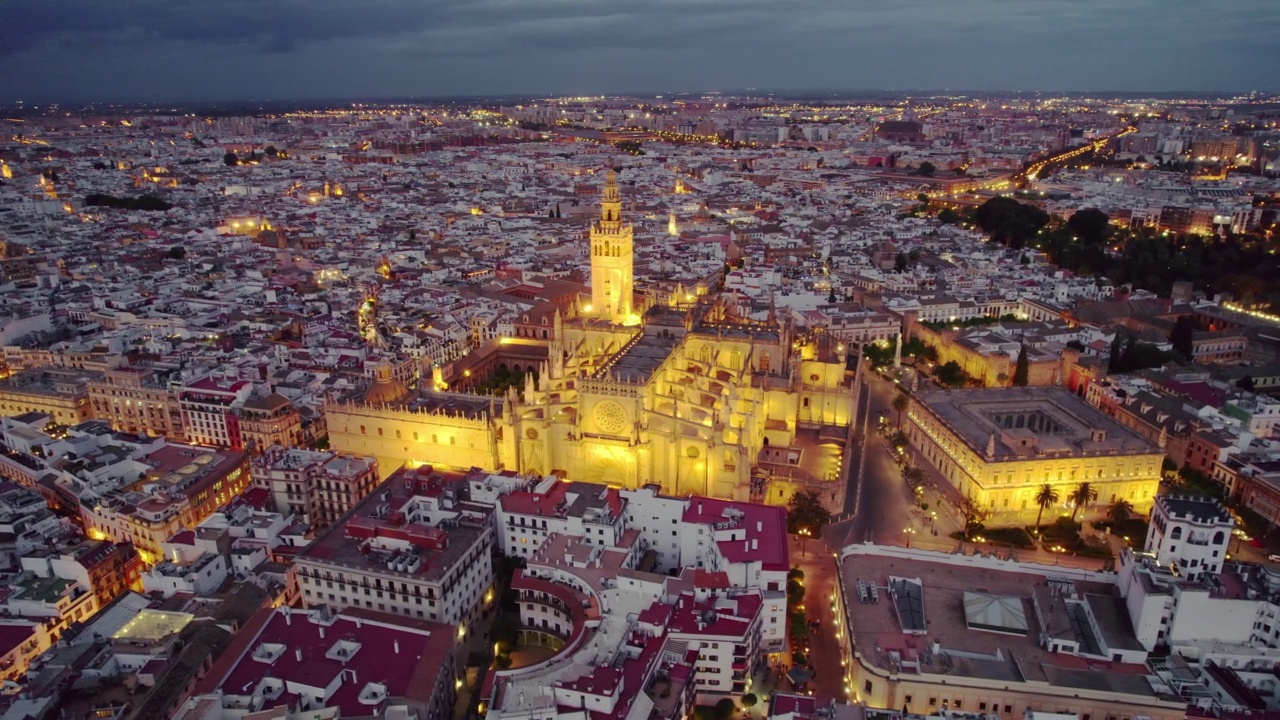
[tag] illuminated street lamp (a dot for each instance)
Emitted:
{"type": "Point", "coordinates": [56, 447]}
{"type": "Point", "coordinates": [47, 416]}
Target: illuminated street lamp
{"type": "Point", "coordinates": [804, 535]}
{"type": "Point", "coordinates": [909, 532]}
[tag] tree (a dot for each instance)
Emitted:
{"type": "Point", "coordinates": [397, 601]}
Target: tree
{"type": "Point", "coordinates": [1113, 358]}
{"type": "Point", "coordinates": [914, 475]}
{"type": "Point", "coordinates": [799, 631]}
{"type": "Point", "coordinates": [948, 216]}
{"type": "Point", "coordinates": [923, 198]}
{"type": "Point", "coordinates": [1182, 336]}
{"type": "Point", "coordinates": [805, 511]}
{"type": "Point", "coordinates": [1121, 511]}
{"type": "Point", "coordinates": [973, 514]}
{"type": "Point", "coordinates": [749, 700]}
{"type": "Point", "coordinates": [1090, 225]}
{"type": "Point", "coordinates": [177, 252]}
{"type": "Point", "coordinates": [900, 263]}
{"type": "Point", "coordinates": [1046, 497]}
{"type": "Point", "coordinates": [795, 593]}
{"type": "Point", "coordinates": [899, 440]}
{"type": "Point", "coordinates": [1084, 494]}
{"type": "Point", "coordinates": [900, 403]}
{"type": "Point", "coordinates": [1246, 383]}
{"type": "Point", "coordinates": [231, 159]}
{"type": "Point", "coordinates": [926, 169]}
{"type": "Point", "coordinates": [1010, 222]}
{"type": "Point", "coordinates": [1022, 369]}
{"type": "Point", "coordinates": [951, 374]}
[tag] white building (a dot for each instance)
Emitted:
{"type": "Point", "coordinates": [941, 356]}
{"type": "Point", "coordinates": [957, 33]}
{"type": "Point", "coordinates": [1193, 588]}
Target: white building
{"type": "Point", "coordinates": [1190, 533]}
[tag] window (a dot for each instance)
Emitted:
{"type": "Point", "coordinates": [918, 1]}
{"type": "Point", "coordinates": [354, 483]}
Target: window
{"type": "Point", "coordinates": [866, 687]}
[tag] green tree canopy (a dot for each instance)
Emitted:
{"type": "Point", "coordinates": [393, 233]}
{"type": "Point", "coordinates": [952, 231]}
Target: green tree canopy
{"type": "Point", "coordinates": [1046, 497]}
{"type": "Point", "coordinates": [1084, 494]}
{"type": "Point", "coordinates": [927, 169]}
{"type": "Point", "coordinates": [1010, 222]}
{"type": "Point", "coordinates": [1120, 511]}
{"type": "Point", "coordinates": [1091, 225]}
{"type": "Point", "coordinates": [951, 374]}
{"type": "Point", "coordinates": [806, 511]}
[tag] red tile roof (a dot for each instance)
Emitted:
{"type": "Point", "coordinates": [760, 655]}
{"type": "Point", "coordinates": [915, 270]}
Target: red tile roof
{"type": "Point", "coordinates": [766, 524]}
{"type": "Point", "coordinates": [404, 655]}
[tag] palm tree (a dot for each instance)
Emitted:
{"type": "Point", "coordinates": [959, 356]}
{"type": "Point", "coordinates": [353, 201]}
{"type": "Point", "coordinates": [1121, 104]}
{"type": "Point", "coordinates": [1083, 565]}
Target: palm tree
{"type": "Point", "coordinates": [1081, 496]}
{"type": "Point", "coordinates": [901, 403]}
{"type": "Point", "coordinates": [1046, 497]}
{"type": "Point", "coordinates": [1120, 511]}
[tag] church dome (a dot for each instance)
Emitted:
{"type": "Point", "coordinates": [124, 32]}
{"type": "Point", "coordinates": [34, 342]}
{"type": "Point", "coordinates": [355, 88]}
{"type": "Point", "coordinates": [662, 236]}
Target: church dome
{"type": "Point", "coordinates": [385, 390]}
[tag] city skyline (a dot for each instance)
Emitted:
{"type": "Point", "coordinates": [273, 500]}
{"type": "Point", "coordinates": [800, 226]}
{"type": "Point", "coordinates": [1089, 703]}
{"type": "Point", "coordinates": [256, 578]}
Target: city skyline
{"type": "Point", "coordinates": [135, 51]}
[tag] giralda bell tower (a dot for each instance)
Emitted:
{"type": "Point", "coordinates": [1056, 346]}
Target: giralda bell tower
{"type": "Point", "coordinates": [612, 276]}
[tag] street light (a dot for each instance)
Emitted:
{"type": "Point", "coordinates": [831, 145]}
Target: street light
{"type": "Point", "coordinates": [804, 534]}
{"type": "Point", "coordinates": [909, 532]}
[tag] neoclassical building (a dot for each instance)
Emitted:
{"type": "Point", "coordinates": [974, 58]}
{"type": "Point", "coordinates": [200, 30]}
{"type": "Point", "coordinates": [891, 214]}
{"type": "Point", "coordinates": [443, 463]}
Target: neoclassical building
{"type": "Point", "coordinates": [688, 395]}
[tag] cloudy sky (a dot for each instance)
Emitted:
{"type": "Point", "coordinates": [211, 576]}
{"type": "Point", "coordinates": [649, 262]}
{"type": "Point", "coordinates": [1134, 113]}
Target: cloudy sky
{"type": "Point", "coordinates": [81, 50]}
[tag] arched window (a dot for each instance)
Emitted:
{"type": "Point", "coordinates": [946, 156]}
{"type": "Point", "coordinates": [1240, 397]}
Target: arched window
{"type": "Point", "coordinates": [1217, 538]}
{"type": "Point", "coordinates": [1176, 534]}
{"type": "Point", "coordinates": [765, 361]}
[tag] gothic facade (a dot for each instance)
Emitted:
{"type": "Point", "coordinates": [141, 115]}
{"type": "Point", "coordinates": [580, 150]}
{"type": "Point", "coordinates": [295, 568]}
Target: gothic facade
{"type": "Point", "coordinates": [685, 395]}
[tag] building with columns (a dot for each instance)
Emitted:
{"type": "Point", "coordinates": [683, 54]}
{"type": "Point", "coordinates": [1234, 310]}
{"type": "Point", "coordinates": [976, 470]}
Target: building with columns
{"type": "Point", "coordinates": [687, 394]}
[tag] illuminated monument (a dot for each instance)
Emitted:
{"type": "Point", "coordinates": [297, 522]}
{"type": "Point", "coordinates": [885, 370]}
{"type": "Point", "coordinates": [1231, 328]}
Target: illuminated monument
{"type": "Point", "coordinates": [612, 275]}
{"type": "Point", "coordinates": [687, 394]}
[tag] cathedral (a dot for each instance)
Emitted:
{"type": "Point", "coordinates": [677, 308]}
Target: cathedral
{"type": "Point", "coordinates": [687, 394]}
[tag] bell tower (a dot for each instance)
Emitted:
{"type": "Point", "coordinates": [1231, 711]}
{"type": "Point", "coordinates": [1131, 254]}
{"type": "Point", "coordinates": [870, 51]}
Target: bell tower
{"type": "Point", "coordinates": [612, 275]}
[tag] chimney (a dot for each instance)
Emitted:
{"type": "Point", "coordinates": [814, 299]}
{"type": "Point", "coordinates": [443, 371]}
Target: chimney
{"type": "Point", "coordinates": [759, 526]}
{"type": "Point", "coordinates": [297, 653]}
{"type": "Point", "coordinates": [396, 645]}
{"type": "Point", "coordinates": [288, 616]}
{"type": "Point", "coordinates": [322, 632]}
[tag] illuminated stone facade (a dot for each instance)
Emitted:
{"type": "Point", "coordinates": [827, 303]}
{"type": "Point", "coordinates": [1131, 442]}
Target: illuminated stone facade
{"type": "Point", "coordinates": [612, 277]}
{"type": "Point", "coordinates": [999, 446]}
{"type": "Point", "coordinates": [688, 395]}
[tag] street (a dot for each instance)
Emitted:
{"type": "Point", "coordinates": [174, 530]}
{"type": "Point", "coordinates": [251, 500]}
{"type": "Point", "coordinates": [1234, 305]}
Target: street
{"type": "Point", "coordinates": [880, 508]}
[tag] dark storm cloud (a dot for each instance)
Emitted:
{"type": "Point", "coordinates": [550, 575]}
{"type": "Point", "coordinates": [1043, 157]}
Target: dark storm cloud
{"type": "Point", "coordinates": [77, 49]}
